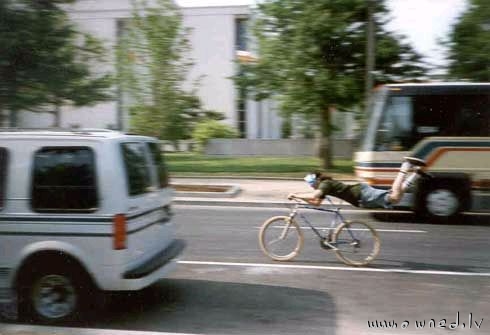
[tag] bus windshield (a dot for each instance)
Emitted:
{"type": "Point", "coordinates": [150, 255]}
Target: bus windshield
{"type": "Point", "coordinates": [400, 118]}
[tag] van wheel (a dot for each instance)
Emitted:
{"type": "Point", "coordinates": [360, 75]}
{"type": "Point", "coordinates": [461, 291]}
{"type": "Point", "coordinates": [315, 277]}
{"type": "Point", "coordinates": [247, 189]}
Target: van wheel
{"type": "Point", "coordinates": [54, 295]}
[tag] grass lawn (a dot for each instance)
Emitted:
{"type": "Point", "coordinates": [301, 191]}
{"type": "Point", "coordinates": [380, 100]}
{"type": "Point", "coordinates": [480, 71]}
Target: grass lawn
{"type": "Point", "coordinates": [190, 164]}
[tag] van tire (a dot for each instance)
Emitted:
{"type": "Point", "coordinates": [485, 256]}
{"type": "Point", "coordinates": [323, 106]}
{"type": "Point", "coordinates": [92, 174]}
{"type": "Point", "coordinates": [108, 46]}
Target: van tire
{"type": "Point", "coordinates": [63, 282]}
{"type": "Point", "coordinates": [442, 198]}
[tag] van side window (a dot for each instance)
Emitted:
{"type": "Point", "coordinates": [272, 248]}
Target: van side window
{"type": "Point", "coordinates": [3, 174]}
{"type": "Point", "coordinates": [64, 180]}
{"type": "Point", "coordinates": [157, 157]}
{"type": "Point", "coordinates": [137, 168]}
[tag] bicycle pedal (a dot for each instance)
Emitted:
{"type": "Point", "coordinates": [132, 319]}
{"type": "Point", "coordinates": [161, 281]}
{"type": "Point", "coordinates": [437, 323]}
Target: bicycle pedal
{"type": "Point", "coordinates": [324, 244]}
{"type": "Point", "coordinates": [356, 244]}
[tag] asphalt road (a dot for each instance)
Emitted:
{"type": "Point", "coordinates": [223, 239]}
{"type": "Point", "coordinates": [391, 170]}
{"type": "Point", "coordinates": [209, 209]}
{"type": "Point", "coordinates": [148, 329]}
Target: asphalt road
{"type": "Point", "coordinates": [225, 285]}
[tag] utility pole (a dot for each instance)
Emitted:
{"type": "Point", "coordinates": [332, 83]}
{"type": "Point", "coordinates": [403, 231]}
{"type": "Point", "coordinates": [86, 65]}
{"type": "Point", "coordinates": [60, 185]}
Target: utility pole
{"type": "Point", "coordinates": [370, 51]}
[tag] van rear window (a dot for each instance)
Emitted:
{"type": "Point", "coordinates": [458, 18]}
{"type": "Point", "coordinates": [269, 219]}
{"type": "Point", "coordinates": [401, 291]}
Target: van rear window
{"type": "Point", "coordinates": [158, 160]}
{"type": "Point", "coordinates": [137, 168]}
{"type": "Point", "coordinates": [64, 180]}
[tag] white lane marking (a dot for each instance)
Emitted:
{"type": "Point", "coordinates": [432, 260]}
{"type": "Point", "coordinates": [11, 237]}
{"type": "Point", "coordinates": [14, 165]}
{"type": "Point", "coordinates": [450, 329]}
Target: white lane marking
{"type": "Point", "coordinates": [378, 230]}
{"type": "Point", "coordinates": [339, 268]}
{"type": "Point", "coordinates": [354, 210]}
{"type": "Point", "coordinates": [26, 329]}
{"type": "Point", "coordinates": [343, 210]}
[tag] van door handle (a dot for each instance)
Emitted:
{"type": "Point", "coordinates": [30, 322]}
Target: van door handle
{"type": "Point", "coordinates": [133, 209]}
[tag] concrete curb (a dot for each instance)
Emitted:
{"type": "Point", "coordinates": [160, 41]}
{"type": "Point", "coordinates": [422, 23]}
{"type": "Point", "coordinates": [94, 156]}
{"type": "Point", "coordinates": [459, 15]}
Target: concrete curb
{"type": "Point", "coordinates": [232, 192]}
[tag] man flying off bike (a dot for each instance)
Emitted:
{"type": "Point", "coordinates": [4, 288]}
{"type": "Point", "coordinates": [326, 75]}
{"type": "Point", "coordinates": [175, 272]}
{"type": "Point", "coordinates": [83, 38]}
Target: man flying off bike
{"type": "Point", "coordinates": [362, 194]}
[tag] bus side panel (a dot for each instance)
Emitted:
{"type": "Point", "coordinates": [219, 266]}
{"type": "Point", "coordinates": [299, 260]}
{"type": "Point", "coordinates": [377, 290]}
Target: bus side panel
{"type": "Point", "coordinates": [470, 155]}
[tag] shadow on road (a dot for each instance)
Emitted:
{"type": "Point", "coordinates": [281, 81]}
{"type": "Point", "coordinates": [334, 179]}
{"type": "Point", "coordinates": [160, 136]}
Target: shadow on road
{"type": "Point", "coordinates": [208, 307]}
{"type": "Point", "coordinates": [466, 220]}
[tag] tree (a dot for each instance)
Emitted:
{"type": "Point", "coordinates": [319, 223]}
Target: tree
{"type": "Point", "coordinates": [311, 57]}
{"type": "Point", "coordinates": [152, 71]}
{"type": "Point", "coordinates": [45, 62]}
{"type": "Point", "coordinates": [209, 129]}
{"type": "Point", "coordinates": [469, 47]}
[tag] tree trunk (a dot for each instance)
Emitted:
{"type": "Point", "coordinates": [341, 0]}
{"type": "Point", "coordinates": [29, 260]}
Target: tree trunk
{"type": "Point", "coordinates": [325, 152]}
{"type": "Point", "coordinates": [176, 145]}
{"type": "Point", "coordinates": [3, 117]}
{"type": "Point", "coordinates": [57, 115]}
{"type": "Point", "coordinates": [13, 118]}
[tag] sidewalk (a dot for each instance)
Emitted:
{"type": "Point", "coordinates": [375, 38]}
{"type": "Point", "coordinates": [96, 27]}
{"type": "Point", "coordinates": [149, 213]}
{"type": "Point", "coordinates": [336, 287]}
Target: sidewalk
{"type": "Point", "coordinates": [248, 192]}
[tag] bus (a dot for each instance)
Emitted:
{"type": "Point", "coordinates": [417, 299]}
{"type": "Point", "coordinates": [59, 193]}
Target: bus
{"type": "Point", "coordinates": [447, 125]}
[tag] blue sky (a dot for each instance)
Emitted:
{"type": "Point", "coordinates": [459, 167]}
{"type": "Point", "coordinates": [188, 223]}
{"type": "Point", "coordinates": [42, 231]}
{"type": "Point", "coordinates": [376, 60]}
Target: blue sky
{"type": "Point", "coordinates": [423, 21]}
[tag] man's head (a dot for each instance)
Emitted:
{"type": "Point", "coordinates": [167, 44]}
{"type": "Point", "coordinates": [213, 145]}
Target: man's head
{"type": "Point", "coordinates": [311, 179]}
{"type": "Point", "coordinates": [315, 178]}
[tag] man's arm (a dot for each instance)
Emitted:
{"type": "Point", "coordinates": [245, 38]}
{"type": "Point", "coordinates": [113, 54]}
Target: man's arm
{"type": "Point", "coordinates": [314, 198]}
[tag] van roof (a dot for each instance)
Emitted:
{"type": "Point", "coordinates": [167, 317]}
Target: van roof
{"type": "Point", "coordinates": [57, 133]}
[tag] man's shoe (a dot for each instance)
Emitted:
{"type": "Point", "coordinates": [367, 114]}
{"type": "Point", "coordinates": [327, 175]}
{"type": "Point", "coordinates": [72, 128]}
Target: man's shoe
{"type": "Point", "coordinates": [415, 161]}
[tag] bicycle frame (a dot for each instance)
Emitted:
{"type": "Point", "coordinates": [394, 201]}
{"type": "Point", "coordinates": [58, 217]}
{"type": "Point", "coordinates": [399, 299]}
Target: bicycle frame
{"type": "Point", "coordinates": [337, 219]}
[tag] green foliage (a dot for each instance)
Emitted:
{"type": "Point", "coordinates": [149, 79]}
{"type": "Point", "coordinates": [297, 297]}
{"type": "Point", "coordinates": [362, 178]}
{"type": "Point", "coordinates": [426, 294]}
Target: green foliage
{"type": "Point", "coordinates": [469, 44]}
{"type": "Point", "coordinates": [197, 164]}
{"type": "Point", "coordinates": [151, 71]}
{"type": "Point", "coordinates": [44, 61]}
{"type": "Point", "coordinates": [209, 129]}
{"type": "Point", "coordinates": [311, 56]}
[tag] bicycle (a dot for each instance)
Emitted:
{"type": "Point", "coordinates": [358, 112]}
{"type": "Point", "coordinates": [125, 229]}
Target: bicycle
{"type": "Point", "coordinates": [355, 242]}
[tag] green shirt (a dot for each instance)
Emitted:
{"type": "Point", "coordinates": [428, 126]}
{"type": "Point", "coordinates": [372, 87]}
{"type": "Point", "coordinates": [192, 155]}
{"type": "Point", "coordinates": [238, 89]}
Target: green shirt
{"type": "Point", "coordinates": [349, 193]}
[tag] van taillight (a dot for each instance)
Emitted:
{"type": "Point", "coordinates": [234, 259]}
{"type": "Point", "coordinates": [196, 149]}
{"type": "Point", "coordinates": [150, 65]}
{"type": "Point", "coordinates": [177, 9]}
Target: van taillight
{"type": "Point", "coordinates": [119, 237]}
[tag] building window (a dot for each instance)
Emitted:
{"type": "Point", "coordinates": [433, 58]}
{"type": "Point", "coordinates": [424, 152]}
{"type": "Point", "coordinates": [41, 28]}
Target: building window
{"type": "Point", "coordinates": [242, 112]}
{"type": "Point", "coordinates": [64, 180]}
{"type": "Point", "coordinates": [3, 174]}
{"type": "Point", "coordinates": [137, 168]}
{"type": "Point", "coordinates": [241, 34]}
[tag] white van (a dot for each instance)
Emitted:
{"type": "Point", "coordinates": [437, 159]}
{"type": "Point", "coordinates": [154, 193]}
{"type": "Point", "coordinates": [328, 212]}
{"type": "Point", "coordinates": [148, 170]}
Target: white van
{"type": "Point", "coordinates": [81, 211]}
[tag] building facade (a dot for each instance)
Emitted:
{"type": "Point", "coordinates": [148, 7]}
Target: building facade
{"type": "Point", "coordinates": [216, 36]}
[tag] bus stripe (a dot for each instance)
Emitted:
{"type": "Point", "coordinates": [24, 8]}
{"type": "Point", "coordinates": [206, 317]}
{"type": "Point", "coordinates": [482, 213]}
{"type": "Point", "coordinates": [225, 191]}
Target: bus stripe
{"type": "Point", "coordinates": [378, 165]}
{"type": "Point", "coordinates": [425, 150]}
{"type": "Point", "coordinates": [436, 154]}
{"type": "Point", "coordinates": [479, 184]}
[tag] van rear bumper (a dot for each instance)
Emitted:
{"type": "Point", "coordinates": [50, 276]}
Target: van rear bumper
{"type": "Point", "coordinates": [158, 261]}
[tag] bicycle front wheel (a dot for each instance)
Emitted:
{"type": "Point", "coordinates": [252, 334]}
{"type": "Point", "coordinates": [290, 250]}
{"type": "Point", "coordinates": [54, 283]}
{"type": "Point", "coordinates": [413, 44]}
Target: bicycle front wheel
{"type": "Point", "coordinates": [281, 238]}
{"type": "Point", "coordinates": [357, 243]}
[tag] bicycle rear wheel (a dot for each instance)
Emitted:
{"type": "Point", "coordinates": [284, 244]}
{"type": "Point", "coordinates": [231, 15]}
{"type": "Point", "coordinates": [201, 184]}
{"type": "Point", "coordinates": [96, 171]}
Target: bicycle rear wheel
{"type": "Point", "coordinates": [357, 243]}
{"type": "Point", "coordinates": [281, 238]}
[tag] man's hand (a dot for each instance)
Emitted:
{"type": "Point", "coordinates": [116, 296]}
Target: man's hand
{"type": "Point", "coordinates": [291, 196]}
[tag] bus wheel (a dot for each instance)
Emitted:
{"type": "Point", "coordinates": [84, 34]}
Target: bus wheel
{"type": "Point", "coordinates": [443, 198]}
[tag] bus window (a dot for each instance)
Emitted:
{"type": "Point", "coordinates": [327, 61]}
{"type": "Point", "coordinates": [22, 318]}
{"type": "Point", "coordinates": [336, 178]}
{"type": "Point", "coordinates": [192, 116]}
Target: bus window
{"type": "Point", "coordinates": [395, 132]}
{"type": "Point", "coordinates": [450, 115]}
{"type": "Point", "coordinates": [406, 120]}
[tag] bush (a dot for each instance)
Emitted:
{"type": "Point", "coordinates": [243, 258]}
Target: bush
{"type": "Point", "coordinates": [211, 129]}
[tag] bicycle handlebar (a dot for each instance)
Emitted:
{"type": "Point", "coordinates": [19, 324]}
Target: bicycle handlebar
{"type": "Point", "coordinates": [299, 203]}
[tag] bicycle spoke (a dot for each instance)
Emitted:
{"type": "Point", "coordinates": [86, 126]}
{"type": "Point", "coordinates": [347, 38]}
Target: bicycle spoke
{"type": "Point", "coordinates": [356, 243]}
{"type": "Point", "coordinates": [280, 239]}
